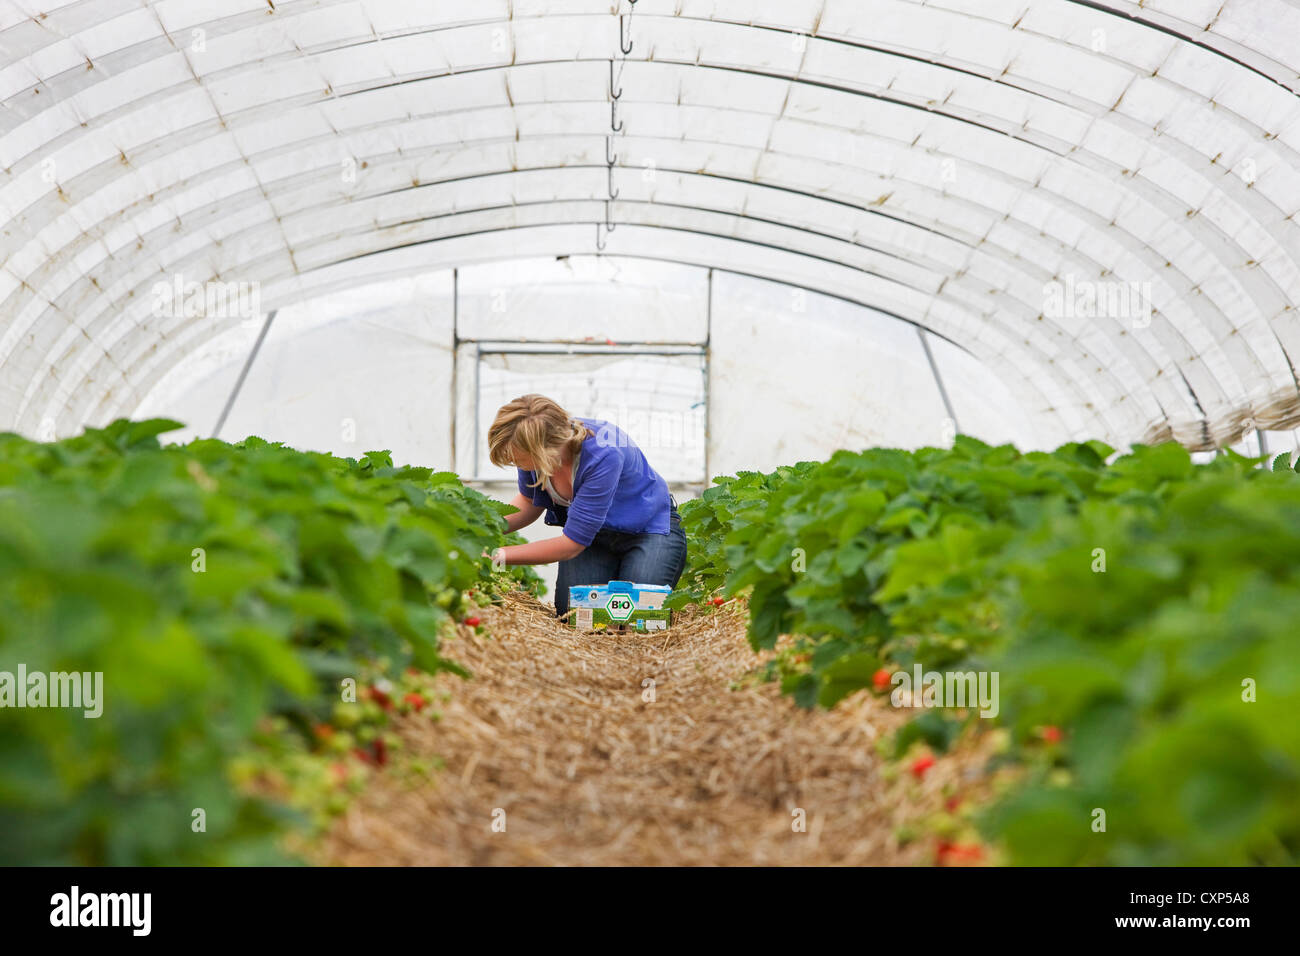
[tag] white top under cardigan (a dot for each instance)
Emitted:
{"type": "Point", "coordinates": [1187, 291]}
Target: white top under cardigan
{"type": "Point", "coordinates": [550, 489]}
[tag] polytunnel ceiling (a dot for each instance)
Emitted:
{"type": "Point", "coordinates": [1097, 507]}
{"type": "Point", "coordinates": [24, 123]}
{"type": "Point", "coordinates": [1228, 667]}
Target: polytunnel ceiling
{"type": "Point", "coordinates": [947, 162]}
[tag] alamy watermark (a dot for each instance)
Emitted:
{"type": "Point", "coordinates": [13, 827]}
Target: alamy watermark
{"type": "Point", "coordinates": [130, 910]}
{"type": "Point", "coordinates": [213, 300]}
{"type": "Point", "coordinates": [75, 689]}
{"type": "Point", "coordinates": [1087, 299]}
{"type": "Point", "coordinates": [923, 688]}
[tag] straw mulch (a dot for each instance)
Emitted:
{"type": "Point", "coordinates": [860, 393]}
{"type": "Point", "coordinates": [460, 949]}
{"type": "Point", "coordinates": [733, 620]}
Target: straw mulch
{"type": "Point", "coordinates": [557, 730]}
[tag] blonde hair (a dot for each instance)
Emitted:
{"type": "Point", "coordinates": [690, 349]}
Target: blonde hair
{"type": "Point", "coordinates": [540, 429]}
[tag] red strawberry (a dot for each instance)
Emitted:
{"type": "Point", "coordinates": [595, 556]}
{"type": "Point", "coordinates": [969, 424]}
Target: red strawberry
{"type": "Point", "coordinates": [472, 621]}
{"type": "Point", "coordinates": [1051, 734]}
{"type": "Point", "coordinates": [381, 698]}
{"type": "Point", "coordinates": [948, 853]}
{"type": "Point", "coordinates": [415, 700]}
{"type": "Point", "coordinates": [881, 679]}
{"type": "Point", "coordinates": [718, 602]}
{"type": "Point", "coordinates": [921, 764]}
{"type": "Point", "coordinates": [381, 751]}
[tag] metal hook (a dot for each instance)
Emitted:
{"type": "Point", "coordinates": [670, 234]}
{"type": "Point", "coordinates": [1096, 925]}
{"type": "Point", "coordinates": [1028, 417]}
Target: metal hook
{"type": "Point", "coordinates": [623, 44]}
{"type": "Point", "coordinates": [612, 94]}
{"type": "Point", "coordinates": [612, 116]}
{"type": "Point", "coordinates": [609, 225]}
{"type": "Point", "coordinates": [610, 157]}
{"type": "Point", "coordinates": [600, 246]}
{"type": "Point", "coordinates": [613, 193]}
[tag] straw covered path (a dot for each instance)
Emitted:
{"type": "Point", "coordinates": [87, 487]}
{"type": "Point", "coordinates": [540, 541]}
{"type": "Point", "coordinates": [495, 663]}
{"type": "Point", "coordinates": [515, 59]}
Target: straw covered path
{"type": "Point", "coordinates": [618, 749]}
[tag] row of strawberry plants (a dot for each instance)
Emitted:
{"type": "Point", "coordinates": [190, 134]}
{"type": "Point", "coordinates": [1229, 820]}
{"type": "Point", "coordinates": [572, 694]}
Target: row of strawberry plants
{"type": "Point", "coordinates": [231, 597]}
{"type": "Point", "coordinates": [1142, 610]}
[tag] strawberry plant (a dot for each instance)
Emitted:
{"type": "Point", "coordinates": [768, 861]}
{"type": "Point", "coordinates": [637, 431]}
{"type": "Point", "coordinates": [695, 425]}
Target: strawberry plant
{"type": "Point", "coordinates": [1128, 607]}
{"type": "Point", "coordinates": [1165, 685]}
{"type": "Point", "coordinates": [211, 585]}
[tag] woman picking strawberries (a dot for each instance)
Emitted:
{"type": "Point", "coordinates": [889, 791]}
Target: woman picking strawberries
{"type": "Point", "coordinates": [588, 477]}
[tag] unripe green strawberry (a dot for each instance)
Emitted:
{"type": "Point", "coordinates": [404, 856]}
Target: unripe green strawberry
{"type": "Point", "coordinates": [347, 715]}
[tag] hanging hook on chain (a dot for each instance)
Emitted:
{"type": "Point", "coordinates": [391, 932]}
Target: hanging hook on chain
{"type": "Point", "coordinates": [600, 244]}
{"type": "Point", "coordinates": [613, 193]}
{"type": "Point", "coordinates": [615, 127]}
{"type": "Point", "coordinates": [612, 94]}
{"type": "Point", "coordinates": [624, 38]}
{"type": "Point", "coordinates": [609, 225]}
{"type": "Point", "coordinates": [610, 156]}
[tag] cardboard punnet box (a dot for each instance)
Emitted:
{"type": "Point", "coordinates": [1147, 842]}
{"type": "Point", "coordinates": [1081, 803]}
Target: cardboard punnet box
{"type": "Point", "coordinates": [619, 604]}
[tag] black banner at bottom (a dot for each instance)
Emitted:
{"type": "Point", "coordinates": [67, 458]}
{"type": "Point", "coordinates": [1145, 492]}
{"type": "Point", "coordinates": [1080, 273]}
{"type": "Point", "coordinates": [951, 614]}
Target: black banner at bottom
{"type": "Point", "coordinates": [305, 905]}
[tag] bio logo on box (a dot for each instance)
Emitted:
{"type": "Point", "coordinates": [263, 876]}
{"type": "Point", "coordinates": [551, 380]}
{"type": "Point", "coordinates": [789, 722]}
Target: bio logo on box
{"type": "Point", "coordinates": [620, 607]}
{"type": "Point", "coordinates": [619, 604]}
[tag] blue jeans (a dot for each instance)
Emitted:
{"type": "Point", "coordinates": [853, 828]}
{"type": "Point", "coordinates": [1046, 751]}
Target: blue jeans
{"type": "Point", "coordinates": [621, 556]}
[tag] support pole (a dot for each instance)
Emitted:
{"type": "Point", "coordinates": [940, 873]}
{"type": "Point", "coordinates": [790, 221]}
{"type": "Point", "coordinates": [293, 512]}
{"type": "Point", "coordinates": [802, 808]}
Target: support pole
{"type": "Point", "coordinates": [239, 382]}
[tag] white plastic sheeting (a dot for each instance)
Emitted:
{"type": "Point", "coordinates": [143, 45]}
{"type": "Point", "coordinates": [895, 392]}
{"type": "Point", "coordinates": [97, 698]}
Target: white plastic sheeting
{"type": "Point", "coordinates": [352, 372]}
{"type": "Point", "coordinates": [1098, 200]}
{"type": "Point", "coordinates": [755, 374]}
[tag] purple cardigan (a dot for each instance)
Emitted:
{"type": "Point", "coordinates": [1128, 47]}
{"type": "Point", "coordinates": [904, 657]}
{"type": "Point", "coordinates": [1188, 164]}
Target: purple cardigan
{"type": "Point", "coordinates": [614, 488]}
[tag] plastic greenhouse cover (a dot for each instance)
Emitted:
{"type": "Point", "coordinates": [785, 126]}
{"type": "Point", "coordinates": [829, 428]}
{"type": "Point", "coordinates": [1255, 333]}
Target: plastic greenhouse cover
{"type": "Point", "coordinates": [999, 173]}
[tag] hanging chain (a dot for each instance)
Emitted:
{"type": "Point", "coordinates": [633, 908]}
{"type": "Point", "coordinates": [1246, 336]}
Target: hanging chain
{"type": "Point", "coordinates": [616, 125]}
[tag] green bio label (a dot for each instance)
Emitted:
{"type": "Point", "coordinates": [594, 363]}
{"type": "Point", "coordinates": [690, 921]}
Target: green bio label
{"type": "Point", "coordinates": [620, 607]}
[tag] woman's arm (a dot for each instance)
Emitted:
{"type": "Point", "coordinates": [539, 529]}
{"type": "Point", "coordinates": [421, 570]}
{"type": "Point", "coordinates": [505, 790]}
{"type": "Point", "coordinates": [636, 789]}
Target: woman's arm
{"type": "Point", "coordinates": [585, 517]}
{"type": "Point", "coordinates": [526, 515]}
{"type": "Point", "coordinates": [538, 552]}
